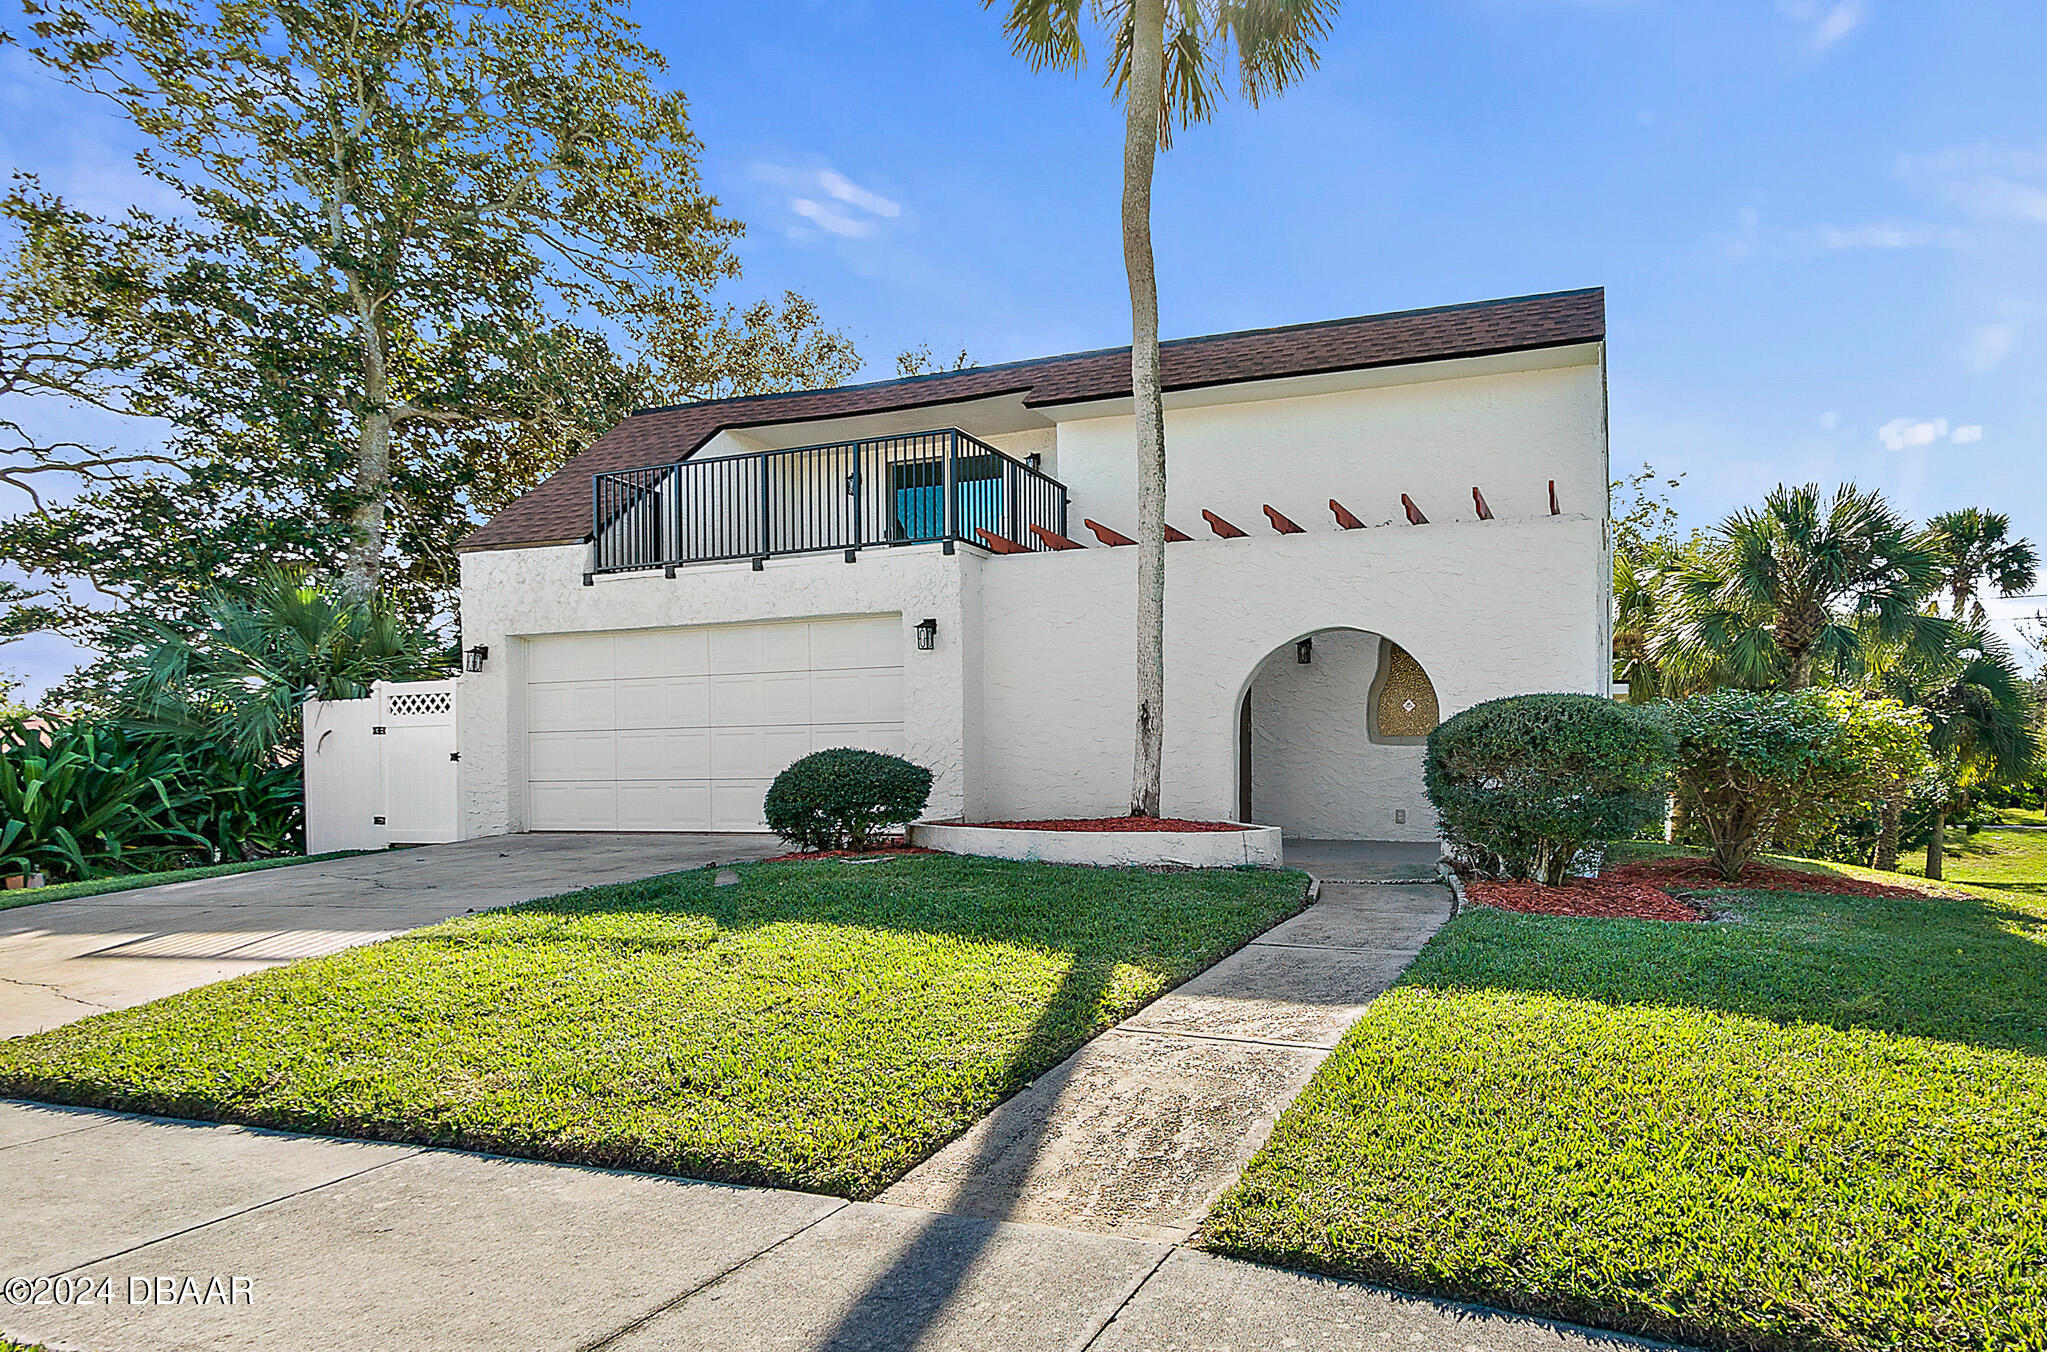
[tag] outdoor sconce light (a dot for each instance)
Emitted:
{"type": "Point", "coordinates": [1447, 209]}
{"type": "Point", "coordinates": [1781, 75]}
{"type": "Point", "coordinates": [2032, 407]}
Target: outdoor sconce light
{"type": "Point", "coordinates": [1304, 651]}
{"type": "Point", "coordinates": [1034, 460]}
{"type": "Point", "coordinates": [474, 659]}
{"type": "Point", "coordinates": [927, 635]}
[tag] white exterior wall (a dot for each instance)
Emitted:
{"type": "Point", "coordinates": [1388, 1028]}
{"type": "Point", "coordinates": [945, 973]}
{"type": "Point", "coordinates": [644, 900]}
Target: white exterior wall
{"type": "Point", "coordinates": [1508, 434]}
{"type": "Point", "coordinates": [514, 594]}
{"type": "Point", "coordinates": [1488, 608]}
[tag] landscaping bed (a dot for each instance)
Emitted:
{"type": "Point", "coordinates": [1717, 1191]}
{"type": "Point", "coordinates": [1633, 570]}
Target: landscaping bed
{"type": "Point", "coordinates": [1821, 1128]}
{"type": "Point", "coordinates": [821, 1025]}
{"type": "Point", "coordinates": [1604, 897]}
{"type": "Point", "coordinates": [1699, 875]}
{"type": "Point", "coordinates": [126, 882]}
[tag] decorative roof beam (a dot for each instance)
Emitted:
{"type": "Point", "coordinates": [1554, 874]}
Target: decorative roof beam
{"type": "Point", "coordinates": [1280, 523]}
{"type": "Point", "coordinates": [1414, 513]}
{"type": "Point", "coordinates": [998, 544]}
{"type": "Point", "coordinates": [1054, 540]}
{"type": "Point", "coordinates": [1344, 517]}
{"type": "Point", "coordinates": [1222, 528]}
{"type": "Point", "coordinates": [1108, 537]}
{"type": "Point", "coordinates": [1554, 510]}
{"type": "Point", "coordinates": [1485, 513]}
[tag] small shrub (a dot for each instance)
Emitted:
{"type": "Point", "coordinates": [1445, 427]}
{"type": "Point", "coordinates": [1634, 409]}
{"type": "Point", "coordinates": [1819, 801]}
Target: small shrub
{"type": "Point", "coordinates": [1522, 785]}
{"type": "Point", "coordinates": [838, 799]}
{"type": "Point", "coordinates": [1760, 766]}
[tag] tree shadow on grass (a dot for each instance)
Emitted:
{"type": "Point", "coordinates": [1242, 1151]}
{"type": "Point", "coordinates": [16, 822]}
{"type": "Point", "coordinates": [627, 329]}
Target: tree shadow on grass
{"type": "Point", "coordinates": [1963, 970]}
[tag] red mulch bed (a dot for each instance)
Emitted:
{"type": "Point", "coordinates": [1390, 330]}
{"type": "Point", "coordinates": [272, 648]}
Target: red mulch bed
{"type": "Point", "coordinates": [1600, 898]}
{"type": "Point", "coordinates": [872, 852]}
{"type": "Point", "coordinates": [1700, 875]}
{"type": "Point", "coordinates": [1109, 824]}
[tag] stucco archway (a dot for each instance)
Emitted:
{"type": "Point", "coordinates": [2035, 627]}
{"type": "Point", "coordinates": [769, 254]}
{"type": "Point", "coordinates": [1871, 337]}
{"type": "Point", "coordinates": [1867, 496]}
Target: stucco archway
{"type": "Point", "coordinates": [1331, 727]}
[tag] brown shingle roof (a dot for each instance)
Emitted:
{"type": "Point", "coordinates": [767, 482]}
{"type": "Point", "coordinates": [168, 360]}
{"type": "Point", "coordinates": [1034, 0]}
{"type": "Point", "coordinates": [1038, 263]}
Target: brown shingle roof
{"type": "Point", "coordinates": [558, 511]}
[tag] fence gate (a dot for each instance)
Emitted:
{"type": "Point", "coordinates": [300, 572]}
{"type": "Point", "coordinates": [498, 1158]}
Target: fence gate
{"type": "Point", "coordinates": [382, 771]}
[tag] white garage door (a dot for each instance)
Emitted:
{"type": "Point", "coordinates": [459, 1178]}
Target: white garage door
{"type": "Point", "coordinates": [684, 729]}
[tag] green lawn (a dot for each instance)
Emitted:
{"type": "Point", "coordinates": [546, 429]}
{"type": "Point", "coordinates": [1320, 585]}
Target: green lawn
{"type": "Point", "coordinates": [2022, 816]}
{"type": "Point", "coordinates": [820, 1025]}
{"type": "Point", "coordinates": [92, 887]}
{"type": "Point", "coordinates": [2014, 860]}
{"type": "Point", "coordinates": [1822, 1126]}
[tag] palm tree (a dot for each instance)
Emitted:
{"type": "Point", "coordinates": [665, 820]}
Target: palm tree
{"type": "Point", "coordinates": [261, 652]}
{"type": "Point", "coordinates": [1974, 551]}
{"type": "Point", "coordinates": [1164, 79]}
{"type": "Point", "coordinates": [1801, 585]}
{"type": "Point", "coordinates": [1979, 711]}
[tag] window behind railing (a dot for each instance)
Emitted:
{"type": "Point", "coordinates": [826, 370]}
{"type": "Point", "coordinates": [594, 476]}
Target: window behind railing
{"type": "Point", "coordinates": [919, 487]}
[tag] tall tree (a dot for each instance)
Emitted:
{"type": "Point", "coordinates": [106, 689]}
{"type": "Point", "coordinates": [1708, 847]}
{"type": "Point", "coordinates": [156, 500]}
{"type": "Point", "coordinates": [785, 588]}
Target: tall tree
{"type": "Point", "coordinates": [1167, 59]}
{"type": "Point", "coordinates": [1977, 551]}
{"type": "Point", "coordinates": [1979, 711]}
{"type": "Point", "coordinates": [411, 221]}
{"type": "Point", "coordinates": [1803, 585]}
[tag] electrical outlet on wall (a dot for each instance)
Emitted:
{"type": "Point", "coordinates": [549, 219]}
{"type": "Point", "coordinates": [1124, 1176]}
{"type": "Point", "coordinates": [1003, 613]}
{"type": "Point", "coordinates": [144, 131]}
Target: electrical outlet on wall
{"type": "Point", "coordinates": [1400, 816]}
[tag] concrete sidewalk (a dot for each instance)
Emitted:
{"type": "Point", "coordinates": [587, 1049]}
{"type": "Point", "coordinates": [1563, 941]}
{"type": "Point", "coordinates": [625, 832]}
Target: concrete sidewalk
{"type": "Point", "coordinates": [1139, 1131]}
{"type": "Point", "coordinates": [61, 961]}
{"type": "Point", "coordinates": [346, 1246]}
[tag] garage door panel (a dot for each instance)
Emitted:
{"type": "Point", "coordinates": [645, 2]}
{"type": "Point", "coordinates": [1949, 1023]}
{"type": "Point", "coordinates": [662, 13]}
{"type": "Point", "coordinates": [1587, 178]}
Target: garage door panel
{"type": "Point", "coordinates": [664, 702]}
{"type": "Point", "coordinates": [662, 652]}
{"type": "Point", "coordinates": [561, 706]}
{"type": "Point", "coordinates": [664, 753]}
{"type": "Point", "coordinates": [874, 642]}
{"type": "Point", "coordinates": [575, 657]}
{"type": "Point", "coordinates": [684, 729]}
{"type": "Point", "coordinates": [586, 756]}
{"type": "Point", "coordinates": [677, 806]}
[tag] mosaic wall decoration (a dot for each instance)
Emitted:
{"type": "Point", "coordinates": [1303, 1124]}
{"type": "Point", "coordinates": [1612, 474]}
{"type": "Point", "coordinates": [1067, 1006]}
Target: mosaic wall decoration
{"type": "Point", "coordinates": [1407, 702]}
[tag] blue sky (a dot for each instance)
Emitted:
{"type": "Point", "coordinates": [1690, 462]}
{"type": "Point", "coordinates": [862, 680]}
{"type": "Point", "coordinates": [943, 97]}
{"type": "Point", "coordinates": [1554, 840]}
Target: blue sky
{"type": "Point", "coordinates": [1822, 224]}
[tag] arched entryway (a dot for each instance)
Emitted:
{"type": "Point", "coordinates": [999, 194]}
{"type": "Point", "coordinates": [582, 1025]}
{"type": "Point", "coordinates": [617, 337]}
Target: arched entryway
{"type": "Point", "coordinates": [1330, 735]}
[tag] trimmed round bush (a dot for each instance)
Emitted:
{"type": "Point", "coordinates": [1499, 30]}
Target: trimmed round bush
{"type": "Point", "coordinates": [838, 799]}
{"type": "Point", "coordinates": [1522, 785]}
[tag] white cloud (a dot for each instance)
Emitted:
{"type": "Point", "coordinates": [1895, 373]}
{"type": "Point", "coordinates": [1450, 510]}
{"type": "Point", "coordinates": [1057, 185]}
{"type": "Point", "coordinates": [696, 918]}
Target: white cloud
{"type": "Point", "coordinates": [822, 201]}
{"type": "Point", "coordinates": [1964, 435]}
{"type": "Point", "coordinates": [1825, 24]}
{"type": "Point", "coordinates": [1904, 433]}
{"type": "Point", "coordinates": [1989, 344]}
{"type": "Point", "coordinates": [1890, 235]}
{"type": "Point", "coordinates": [1829, 421]}
{"type": "Point", "coordinates": [2002, 199]}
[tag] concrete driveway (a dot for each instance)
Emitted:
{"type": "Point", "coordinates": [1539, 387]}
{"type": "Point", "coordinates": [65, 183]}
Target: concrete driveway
{"type": "Point", "coordinates": [64, 960]}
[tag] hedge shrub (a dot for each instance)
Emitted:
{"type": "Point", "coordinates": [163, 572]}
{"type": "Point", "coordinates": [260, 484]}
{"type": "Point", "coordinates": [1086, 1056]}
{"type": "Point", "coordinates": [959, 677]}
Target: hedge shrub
{"type": "Point", "coordinates": [838, 799]}
{"type": "Point", "coordinates": [1522, 785]}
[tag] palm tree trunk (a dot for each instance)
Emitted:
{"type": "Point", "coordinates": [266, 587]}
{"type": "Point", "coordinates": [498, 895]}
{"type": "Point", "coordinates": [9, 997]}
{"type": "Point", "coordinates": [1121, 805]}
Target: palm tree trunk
{"type": "Point", "coordinates": [1140, 154]}
{"type": "Point", "coordinates": [1887, 834]}
{"type": "Point", "coordinates": [1936, 844]}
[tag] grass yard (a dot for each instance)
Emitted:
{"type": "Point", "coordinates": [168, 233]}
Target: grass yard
{"type": "Point", "coordinates": [126, 882]}
{"type": "Point", "coordinates": [819, 1025]}
{"type": "Point", "coordinates": [2013, 860]}
{"type": "Point", "coordinates": [1821, 1127]}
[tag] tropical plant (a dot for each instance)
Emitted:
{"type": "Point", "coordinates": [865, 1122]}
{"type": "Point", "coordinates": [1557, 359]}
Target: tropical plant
{"type": "Point", "coordinates": [1762, 766]}
{"type": "Point", "coordinates": [1980, 713]}
{"type": "Point", "coordinates": [1521, 786]}
{"type": "Point", "coordinates": [1167, 59]}
{"type": "Point", "coordinates": [839, 799]}
{"type": "Point", "coordinates": [1804, 586]}
{"type": "Point", "coordinates": [1976, 551]}
{"type": "Point", "coordinates": [260, 654]}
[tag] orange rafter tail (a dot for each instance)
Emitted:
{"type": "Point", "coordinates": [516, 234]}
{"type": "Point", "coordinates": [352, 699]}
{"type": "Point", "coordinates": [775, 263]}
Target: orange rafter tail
{"type": "Point", "coordinates": [1343, 516]}
{"type": "Point", "coordinates": [1554, 510]}
{"type": "Point", "coordinates": [1414, 513]}
{"type": "Point", "coordinates": [1054, 540]}
{"type": "Point", "coordinates": [1485, 513]}
{"type": "Point", "coordinates": [999, 544]}
{"type": "Point", "coordinates": [1221, 527]}
{"type": "Point", "coordinates": [1107, 536]}
{"type": "Point", "coordinates": [1174, 536]}
{"type": "Point", "coordinates": [1280, 523]}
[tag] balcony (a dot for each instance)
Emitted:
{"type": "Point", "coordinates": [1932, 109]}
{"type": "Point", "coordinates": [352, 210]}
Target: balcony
{"type": "Point", "coordinates": [937, 487]}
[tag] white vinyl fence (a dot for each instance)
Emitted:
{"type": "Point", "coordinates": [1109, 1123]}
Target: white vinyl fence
{"type": "Point", "coordinates": [383, 770]}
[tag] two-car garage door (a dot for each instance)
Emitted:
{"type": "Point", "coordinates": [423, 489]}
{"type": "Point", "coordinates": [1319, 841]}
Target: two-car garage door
{"type": "Point", "coordinates": [684, 729]}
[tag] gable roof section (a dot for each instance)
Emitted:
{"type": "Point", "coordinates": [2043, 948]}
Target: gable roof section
{"type": "Point", "coordinates": [558, 511]}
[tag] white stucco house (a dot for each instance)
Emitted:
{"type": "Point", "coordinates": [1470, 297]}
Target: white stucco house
{"type": "Point", "coordinates": [1387, 519]}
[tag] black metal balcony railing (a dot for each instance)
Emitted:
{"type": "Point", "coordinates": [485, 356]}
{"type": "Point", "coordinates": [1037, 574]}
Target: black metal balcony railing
{"type": "Point", "coordinates": [917, 488]}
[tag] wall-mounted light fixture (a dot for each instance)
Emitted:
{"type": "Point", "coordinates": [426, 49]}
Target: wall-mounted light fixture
{"type": "Point", "coordinates": [1304, 651]}
{"type": "Point", "coordinates": [927, 635]}
{"type": "Point", "coordinates": [1035, 460]}
{"type": "Point", "coordinates": [474, 658]}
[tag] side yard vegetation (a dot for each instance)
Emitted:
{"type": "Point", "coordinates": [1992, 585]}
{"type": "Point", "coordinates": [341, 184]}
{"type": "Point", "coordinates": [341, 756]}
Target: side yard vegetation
{"type": "Point", "coordinates": [128, 882]}
{"type": "Point", "coordinates": [1819, 1124]}
{"type": "Point", "coordinates": [819, 1025]}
